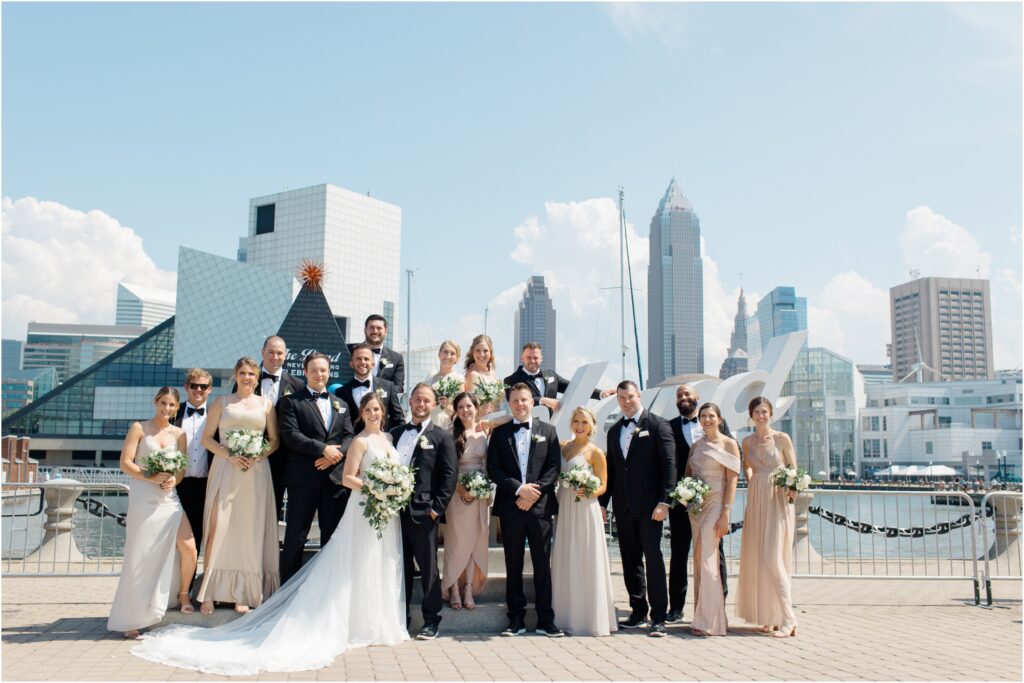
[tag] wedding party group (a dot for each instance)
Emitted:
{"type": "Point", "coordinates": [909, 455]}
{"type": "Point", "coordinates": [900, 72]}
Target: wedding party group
{"type": "Point", "coordinates": [219, 475]}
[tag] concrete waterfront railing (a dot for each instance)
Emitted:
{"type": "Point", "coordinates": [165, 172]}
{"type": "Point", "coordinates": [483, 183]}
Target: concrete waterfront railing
{"type": "Point", "coordinates": [1002, 559]}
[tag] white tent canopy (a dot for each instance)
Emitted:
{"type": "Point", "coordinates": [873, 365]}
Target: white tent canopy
{"type": "Point", "coordinates": [916, 471]}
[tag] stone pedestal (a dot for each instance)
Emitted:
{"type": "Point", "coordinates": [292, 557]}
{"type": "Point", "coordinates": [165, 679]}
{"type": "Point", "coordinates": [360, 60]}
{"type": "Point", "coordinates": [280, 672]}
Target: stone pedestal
{"type": "Point", "coordinates": [1006, 510]}
{"type": "Point", "coordinates": [58, 546]}
{"type": "Point", "coordinates": [805, 558]}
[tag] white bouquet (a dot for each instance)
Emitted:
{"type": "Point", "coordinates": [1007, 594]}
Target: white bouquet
{"type": "Point", "coordinates": [448, 387]}
{"type": "Point", "coordinates": [388, 489]}
{"type": "Point", "coordinates": [246, 442]}
{"type": "Point", "coordinates": [689, 492]}
{"type": "Point", "coordinates": [169, 460]}
{"type": "Point", "coordinates": [477, 483]}
{"type": "Point", "coordinates": [581, 478]}
{"type": "Point", "coordinates": [489, 391]}
{"type": "Point", "coordinates": [793, 479]}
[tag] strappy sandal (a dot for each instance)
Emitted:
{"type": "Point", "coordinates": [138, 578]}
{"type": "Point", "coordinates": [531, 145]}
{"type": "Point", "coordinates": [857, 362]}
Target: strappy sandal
{"type": "Point", "coordinates": [185, 602]}
{"type": "Point", "coordinates": [468, 600]}
{"type": "Point", "coordinates": [454, 599]}
{"type": "Point", "coordinates": [131, 635]}
{"type": "Point", "coordinates": [206, 607]}
{"type": "Point", "coordinates": [241, 609]}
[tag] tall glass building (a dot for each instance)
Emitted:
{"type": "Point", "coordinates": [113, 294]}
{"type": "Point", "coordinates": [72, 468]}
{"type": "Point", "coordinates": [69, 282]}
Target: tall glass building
{"type": "Point", "coordinates": [675, 286]}
{"type": "Point", "coordinates": [779, 312]}
{"type": "Point", "coordinates": [535, 321]}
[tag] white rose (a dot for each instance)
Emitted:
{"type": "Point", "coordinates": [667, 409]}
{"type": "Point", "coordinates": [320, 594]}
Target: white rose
{"type": "Point", "coordinates": [687, 495]}
{"type": "Point", "coordinates": [805, 481]}
{"type": "Point", "coordinates": [790, 480]}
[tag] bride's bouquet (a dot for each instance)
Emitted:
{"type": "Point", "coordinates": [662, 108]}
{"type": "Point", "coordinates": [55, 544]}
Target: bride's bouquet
{"type": "Point", "coordinates": [581, 478]}
{"type": "Point", "coordinates": [477, 483]}
{"type": "Point", "coordinates": [448, 387]}
{"type": "Point", "coordinates": [689, 492]}
{"type": "Point", "coordinates": [489, 391]}
{"type": "Point", "coordinates": [793, 479]}
{"type": "Point", "coordinates": [248, 443]}
{"type": "Point", "coordinates": [387, 487]}
{"type": "Point", "coordinates": [169, 460]}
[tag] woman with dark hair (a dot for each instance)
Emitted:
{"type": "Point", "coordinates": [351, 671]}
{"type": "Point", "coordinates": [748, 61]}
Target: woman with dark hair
{"type": "Point", "coordinates": [714, 459]}
{"type": "Point", "coordinates": [156, 526]}
{"type": "Point", "coordinates": [240, 556]}
{"type": "Point", "coordinates": [467, 518]}
{"type": "Point", "coordinates": [766, 551]}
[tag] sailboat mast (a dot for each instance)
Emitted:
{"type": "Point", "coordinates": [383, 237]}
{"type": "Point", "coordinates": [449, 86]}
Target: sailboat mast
{"type": "Point", "coordinates": [632, 294]}
{"type": "Point", "coordinates": [622, 284]}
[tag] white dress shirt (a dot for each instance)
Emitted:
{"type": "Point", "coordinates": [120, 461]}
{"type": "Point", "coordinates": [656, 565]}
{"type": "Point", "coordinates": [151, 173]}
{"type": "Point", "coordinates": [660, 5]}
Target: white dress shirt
{"type": "Point", "coordinates": [270, 389]}
{"type": "Point", "coordinates": [627, 432]}
{"type": "Point", "coordinates": [359, 392]}
{"type": "Point", "coordinates": [523, 448]}
{"type": "Point", "coordinates": [538, 381]}
{"type": "Point", "coordinates": [692, 431]}
{"type": "Point", "coordinates": [407, 443]}
{"type": "Point", "coordinates": [323, 404]}
{"type": "Point", "coordinates": [197, 465]}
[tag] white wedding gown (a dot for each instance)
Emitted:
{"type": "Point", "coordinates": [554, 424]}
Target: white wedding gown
{"type": "Point", "coordinates": [350, 595]}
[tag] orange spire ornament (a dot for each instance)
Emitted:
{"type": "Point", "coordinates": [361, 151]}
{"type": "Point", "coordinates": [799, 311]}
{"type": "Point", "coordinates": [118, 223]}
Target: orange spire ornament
{"type": "Point", "coordinates": [311, 273]}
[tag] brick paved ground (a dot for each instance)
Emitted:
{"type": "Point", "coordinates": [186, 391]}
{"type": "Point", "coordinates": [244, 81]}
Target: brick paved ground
{"type": "Point", "coordinates": [54, 629]}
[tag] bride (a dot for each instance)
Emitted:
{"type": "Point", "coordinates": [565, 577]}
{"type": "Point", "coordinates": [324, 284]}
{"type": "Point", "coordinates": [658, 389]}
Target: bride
{"type": "Point", "coordinates": [350, 595]}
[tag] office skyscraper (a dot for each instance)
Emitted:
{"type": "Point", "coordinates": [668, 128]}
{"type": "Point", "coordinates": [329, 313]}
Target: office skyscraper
{"type": "Point", "coordinates": [736, 360]}
{"type": "Point", "coordinates": [675, 286]}
{"type": "Point", "coordinates": [952, 320]}
{"type": "Point", "coordinates": [535, 321]}
{"type": "Point", "coordinates": [140, 306]}
{"type": "Point", "coordinates": [779, 312]}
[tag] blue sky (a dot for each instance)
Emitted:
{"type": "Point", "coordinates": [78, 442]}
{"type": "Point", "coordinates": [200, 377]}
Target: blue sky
{"type": "Point", "coordinates": [803, 134]}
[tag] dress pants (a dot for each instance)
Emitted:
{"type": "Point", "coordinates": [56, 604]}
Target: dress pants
{"type": "Point", "coordinates": [419, 542]}
{"type": "Point", "coordinates": [305, 501]}
{"type": "Point", "coordinates": [277, 462]}
{"type": "Point", "coordinates": [192, 494]}
{"type": "Point", "coordinates": [680, 542]}
{"type": "Point", "coordinates": [516, 529]}
{"type": "Point", "coordinates": [640, 545]}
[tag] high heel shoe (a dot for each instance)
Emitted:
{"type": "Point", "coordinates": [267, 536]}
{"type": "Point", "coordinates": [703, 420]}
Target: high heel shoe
{"type": "Point", "coordinates": [468, 597]}
{"type": "Point", "coordinates": [453, 599]}
{"type": "Point", "coordinates": [185, 603]}
{"type": "Point", "coordinates": [785, 632]}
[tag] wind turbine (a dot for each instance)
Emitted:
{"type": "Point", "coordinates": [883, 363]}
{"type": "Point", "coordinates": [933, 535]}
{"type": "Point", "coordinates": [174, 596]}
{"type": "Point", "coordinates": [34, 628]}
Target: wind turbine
{"type": "Point", "coordinates": [920, 365]}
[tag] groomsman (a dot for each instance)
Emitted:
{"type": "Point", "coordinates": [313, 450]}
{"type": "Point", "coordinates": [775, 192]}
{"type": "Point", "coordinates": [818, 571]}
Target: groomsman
{"type": "Point", "coordinates": [387, 363]}
{"type": "Point", "coordinates": [273, 385]}
{"type": "Point", "coordinates": [685, 431]}
{"type": "Point", "coordinates": [641, 473]}
{"type": "Point", "coordinates": [316, 430]}
{"type": "Point", "coordinates": [352, 392]}
{"type": "Point", "coordinates": [430, 451]}
{"type": "Point", "coordinates": [544, 385]}
{"type": "Point", "coordinates": [523, 459]}
{"type": "Point", "coordinates": [191, 418]}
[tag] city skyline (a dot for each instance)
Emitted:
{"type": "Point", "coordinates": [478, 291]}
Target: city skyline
{"type": "Point", "coordinates": [836, 175]}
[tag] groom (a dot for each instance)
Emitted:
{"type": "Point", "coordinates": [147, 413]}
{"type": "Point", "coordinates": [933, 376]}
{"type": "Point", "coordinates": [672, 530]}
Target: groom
{"type": "Point", "coordinates": [430, 451]}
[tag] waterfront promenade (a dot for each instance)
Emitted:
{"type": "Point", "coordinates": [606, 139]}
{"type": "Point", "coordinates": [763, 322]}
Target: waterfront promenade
{"type": "Point", "coordinates": [876, 630]}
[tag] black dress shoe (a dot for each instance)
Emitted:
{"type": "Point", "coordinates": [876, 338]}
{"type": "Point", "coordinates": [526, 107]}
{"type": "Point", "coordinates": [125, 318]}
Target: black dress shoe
{"type": "Point", "coordinates": [674, 616]}
{"type": "Point", "coordinates": [634, 621]}
{"type": "Point", "coordinates": [550, 630]}
{"type": "Point", "coordinates": [428, 632]}
{"type": "Point", "coordinates": [514, 628]}
{"type": "Point", "coordinates": [657, 630]}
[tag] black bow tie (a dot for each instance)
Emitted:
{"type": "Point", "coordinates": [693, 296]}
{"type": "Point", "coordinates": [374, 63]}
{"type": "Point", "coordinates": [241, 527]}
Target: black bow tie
{"type": "Point", "coordinates": [629, 421]}
{"type": "Point", "coordinates": [410, 427]}
{"type": "Point", "coordinates": [521, 425]}
{"type": "Point", "coordinates": [190, 411]}
{"type": "Point", "coordinates": [692, 420]}
{"type": "Point", "coordinates": [266, 375]}
{"type": "Point", "coordinates": [537, 376]}
{"type": "Point", "coordinates": [321, 394]}
{"type": "Point", "coordinates": [361, 384]}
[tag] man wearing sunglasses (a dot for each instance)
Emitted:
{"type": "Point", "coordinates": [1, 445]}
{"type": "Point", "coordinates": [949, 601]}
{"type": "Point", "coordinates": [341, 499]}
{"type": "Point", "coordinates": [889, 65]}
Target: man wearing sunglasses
{"type": "Point", "coordinates": [192, 419]}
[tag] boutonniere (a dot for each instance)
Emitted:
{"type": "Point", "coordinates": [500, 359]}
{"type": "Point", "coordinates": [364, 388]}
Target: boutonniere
{"type": "Point", "coordinates": [549, 380]}
{"type": "Point", "coordinates": [287, 391]}
{"type": "Point", "coordinates": [643, 433]}
{"type": "Point", "coordinates": [537, 438]}
{"type": "Point", "coordinates": [425, 443]}
{"type": "Point", "coordinates": [381, 393]}
{"type": "Point", "coordinates": [337, 405]}
{"type": "Point", "coordinates": [384, 362]}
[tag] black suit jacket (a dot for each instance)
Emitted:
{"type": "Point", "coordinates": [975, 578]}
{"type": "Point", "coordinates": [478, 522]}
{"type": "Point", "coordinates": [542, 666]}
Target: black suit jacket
{"type": "Point", "coordinates": [542, 467]}
{"type": "Point", "coordinates": [390, 367]}
{"type": "Point", "coordinates": [554, 384]}
{"type": "Point", "coordinates": [177, 423]}
{"type": "Point", "coordinates": [642, 479]}
{"type": "Point", "coordinates": [436, 470]}
{"type": "Point", "coordinates": [304, 435]}
{"type": "Point", "coordinates": [682, 449]}
{"type": "Point", "coordinates": [394, 416]}
{"type": "Point", "coordinates": [289, 384]}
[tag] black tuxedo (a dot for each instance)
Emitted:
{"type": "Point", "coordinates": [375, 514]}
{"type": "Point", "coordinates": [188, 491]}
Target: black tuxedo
{"type": "Point", "coordinates": [637, 482]}
{"type": "Point", "coordinates": [533, 525]}
{"type": "Point", "coordinates": [394, 415]}
{"type": "Point", "coordinates": [390, 366]}
{"type": "Point", "coordinates": [436, 466]}
{"type": "Point", "coordinates": [310, 491]}
{"type": "Point", "coordinates": [682, 533]}
{"type": "Point", "coordinates": [192, 490]}
{"type": "Point", "coordinates": [289, 384]}
{"type": "Point", "coordinates": [554, 384]}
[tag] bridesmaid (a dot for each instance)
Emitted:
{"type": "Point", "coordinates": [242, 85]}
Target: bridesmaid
{"type": "Point", "coordinates": [448, 356]}
{"type": "Point", "coordinates": [581, 580]}
{"type": "Point", "coordinates": [240, 556]}
{"type": "Point", "coordinates": [156, 526]}
{"type": "Point", "coordinates": [466, 530]}
{"type": "Point", "coordinates": [480, 364]}
{"type": "Point", "coordinates": [766, 551]}
{"type": "Point", "coordinates": [715, 459]}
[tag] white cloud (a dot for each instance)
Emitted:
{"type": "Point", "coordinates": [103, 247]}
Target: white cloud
{"type": "Point", "coordinates": [850, 316]}
{"type": "Point", "coordinates": [938, 247]}
{"type": "Point", "coordinates": [61, 265]}
{"type": "Point", "coordinates": [665, 22]}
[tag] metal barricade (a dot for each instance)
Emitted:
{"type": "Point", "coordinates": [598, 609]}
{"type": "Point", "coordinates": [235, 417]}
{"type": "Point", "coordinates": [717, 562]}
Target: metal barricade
{"type": "Point", "coordinates": [63, 527]}
{"type": "Point", "coordinates": [1002, 551]}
